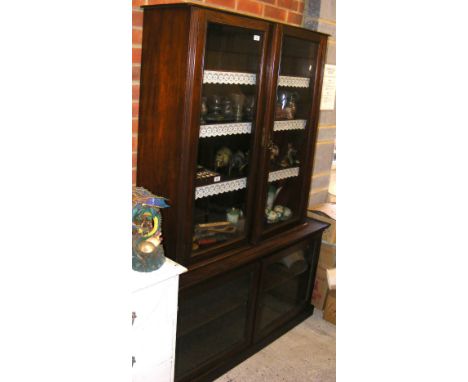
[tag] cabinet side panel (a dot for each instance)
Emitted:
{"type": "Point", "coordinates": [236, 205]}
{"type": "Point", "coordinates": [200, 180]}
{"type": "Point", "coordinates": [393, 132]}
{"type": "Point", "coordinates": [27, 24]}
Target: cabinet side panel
{"type": "Point", "coordinates": [162, 100]}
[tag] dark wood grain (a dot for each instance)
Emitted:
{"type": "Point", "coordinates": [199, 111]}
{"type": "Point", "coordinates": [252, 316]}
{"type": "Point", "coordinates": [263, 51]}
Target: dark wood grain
{"type": "Point", "coordinates": [164, 69]}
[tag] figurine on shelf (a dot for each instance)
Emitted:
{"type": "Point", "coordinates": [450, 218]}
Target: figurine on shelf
{"type": "Point", "coordinates": [271, 216]}
{"type": "Point", "coordinates": [223, 158]}
{"type": "Point", "coordinates": [249, 108]}
{"type": "Point", "coordinates": [290, 159]}
{"type": "Point", "coordinates": [215, 109]}
{"type": "Point", "coordinates": [147, 251]}
{"type": "Point", "coordinates": [273, 192]}
{"type": "Point", "coordinates": [238, 105]}
{"type": "Point", "coordinates": [203, 111]}
{"type": "Point", "coordinates": [227, 110]}
{"type": "Point", "coordinates": [238, 162]}
{"type": "Point", "coordinates": [274, 152]}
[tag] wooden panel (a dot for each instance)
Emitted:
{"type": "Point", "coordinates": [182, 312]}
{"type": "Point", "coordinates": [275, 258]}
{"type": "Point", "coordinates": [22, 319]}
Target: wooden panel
{"type": "Point", "coordinates": [162, 109]}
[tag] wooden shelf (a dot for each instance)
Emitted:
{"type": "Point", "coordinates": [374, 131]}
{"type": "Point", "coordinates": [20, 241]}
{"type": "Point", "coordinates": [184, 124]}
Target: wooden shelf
{"type": "Point", "coordinates": [223, 129]}
{"type": "Point", "coordinates": [283, 174]}
{"type": "Point", "coordinates": [229, 78]}
{"type": "Point", "coordinates": [293, 124]}
{"type": "Point", "coordinates": [293, 82]}
{"type": "Point", "coordinates": [220, 187]}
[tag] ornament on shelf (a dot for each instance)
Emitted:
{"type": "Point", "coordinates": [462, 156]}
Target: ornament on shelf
{"type": "Point", "coordinates": [147, 251]}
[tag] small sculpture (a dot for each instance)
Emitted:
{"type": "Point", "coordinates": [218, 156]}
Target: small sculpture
{"type": "Point", "coordinates": [238, 162]}
{"type": "Point", "coordinates": [223, 157]}
{"type": "Point", "coordinates": [203, 111]}
{"type": "Point", "coordinates": [249, 108]}
{"type": "Point", "coordinates": [271, 216]}
{"type": "Point", "coordinates": [290, 159]}
{"type": "Point", "coordinates": [147, 253]}
{"type": "Point", "coordinates": [215, 109]}
{"type": "Point", "coordinates": [274, 152]}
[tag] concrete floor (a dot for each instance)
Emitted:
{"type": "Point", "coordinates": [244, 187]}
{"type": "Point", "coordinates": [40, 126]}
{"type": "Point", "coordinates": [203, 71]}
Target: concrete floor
{"type": "Point", "coordinates": [304, 354]}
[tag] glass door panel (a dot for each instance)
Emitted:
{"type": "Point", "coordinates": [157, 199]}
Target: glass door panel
{"type": "Point", "coordinates": [227, 125]}
{"type": "Point", "coordinates": [290, 132]}
{"type": "Point", "coordinates": [212, 321]}
{"type": "Point", "coordinates": [285, 286]}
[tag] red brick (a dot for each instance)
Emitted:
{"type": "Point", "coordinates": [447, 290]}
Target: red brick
{"type": "Point", "coordinates": [134, 159]}
{"type": "Point", "coordinates": [300, 6]}
{"type": "Point", "coordinates": [133, 177]}
{"type": "Point", "coordinates": [294, 18]}
{"type": "Point", "coordinates": [223, 3]}
{"type": "Point", "coordinates": [137, 17]}
{"type": "Point", "coordinates": [275, 13]}
{"type": "Point", "coordinates": [135, 126]}
{"type": "Point", "coordinates": [135, 108]}
{"type": "Point", "coordinates": [136, 72]}
{"type": "Point", "coordinates": [290, 4]}
{"type": "Point", "coordinates": [268, 1]}
{"type": "Point", "coordinates": [153, 2]}
{"type": "Point", "coordinates": [137, 3]}
{"type": "Point", "coordinates": [250, 7]}
{"type": "Point", "coordinates": [135, 92]}
{"type": "Point", "coordinates": [136, 36]}
{"type": "Point", "coordinates": [134, 143]}
{"type": "Point", "coordinates": [136, 55]}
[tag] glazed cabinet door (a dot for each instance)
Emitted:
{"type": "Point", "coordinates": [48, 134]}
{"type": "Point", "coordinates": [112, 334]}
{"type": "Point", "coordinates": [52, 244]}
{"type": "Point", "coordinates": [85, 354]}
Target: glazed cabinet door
{"type": "Point", "coordinates": [226, 124]}
{"type": "Point", "coordinates": [296, 67]}
{"type": "Point", "coordinates": [214, 321]}
{"type": "Point", "coordinates": [285, 286]}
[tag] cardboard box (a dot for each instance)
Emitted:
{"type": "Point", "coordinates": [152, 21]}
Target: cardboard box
{"type": "Point", "coordinates": [319, 294]}
{"type": "Point", "coordinates": [329, 313]}
{"type": "Point", "coordinates": [327, 260]}
{"type": "Point", "coordinates": [325, 212]}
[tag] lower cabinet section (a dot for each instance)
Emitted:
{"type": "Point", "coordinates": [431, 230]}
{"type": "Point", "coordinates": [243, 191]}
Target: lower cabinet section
{"type": "Point", "coordinates": [235, 313]}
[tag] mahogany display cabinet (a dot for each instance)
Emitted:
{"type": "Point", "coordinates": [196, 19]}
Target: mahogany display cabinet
{"type": "Point", "coordinates": [227, 129]}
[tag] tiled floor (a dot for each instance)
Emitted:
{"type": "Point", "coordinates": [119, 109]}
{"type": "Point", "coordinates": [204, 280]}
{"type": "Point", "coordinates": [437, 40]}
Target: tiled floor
{"type": "Point", "coordinates": [304, 354]}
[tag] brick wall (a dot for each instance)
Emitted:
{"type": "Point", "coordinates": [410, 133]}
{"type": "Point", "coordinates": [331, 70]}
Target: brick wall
{"type": "Point", "coordinates": [320, 15]}
{"type": "Point", "coordinates": [286, 11]}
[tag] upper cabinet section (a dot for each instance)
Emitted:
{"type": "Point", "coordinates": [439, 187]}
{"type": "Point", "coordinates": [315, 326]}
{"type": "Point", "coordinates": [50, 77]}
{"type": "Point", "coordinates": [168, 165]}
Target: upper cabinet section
{"type": "Point", "coordinates": [227, 125]}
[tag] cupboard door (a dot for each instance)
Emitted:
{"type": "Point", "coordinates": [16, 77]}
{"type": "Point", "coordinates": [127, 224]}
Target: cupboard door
{"type": "Point", "coordinates": [215, 320]}
{"type": "Point", "coordinates": [290, 137]}
{"type": "Point", "coordinates": [285, 287]}
{"type": "Point", "coordinates": [227, 126]}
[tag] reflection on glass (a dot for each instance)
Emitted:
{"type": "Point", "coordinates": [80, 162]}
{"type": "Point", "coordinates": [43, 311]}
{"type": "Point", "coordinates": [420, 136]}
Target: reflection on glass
{"type": "Point", "coordinates": [284, 286]}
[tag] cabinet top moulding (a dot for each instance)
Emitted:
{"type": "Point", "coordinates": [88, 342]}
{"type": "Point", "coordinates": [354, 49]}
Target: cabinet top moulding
{"type": "Point", "coordinates": [190, 4]}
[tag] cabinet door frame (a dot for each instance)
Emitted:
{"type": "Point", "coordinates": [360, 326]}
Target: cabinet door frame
{"type": "Point", "coordinates": [194, 84]}
{"type": "Point", "coordinates": [273, 70]}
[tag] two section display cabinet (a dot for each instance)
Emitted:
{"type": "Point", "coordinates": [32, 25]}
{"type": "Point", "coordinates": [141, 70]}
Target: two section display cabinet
{"type": "Point", "coordinates": [227, 128]}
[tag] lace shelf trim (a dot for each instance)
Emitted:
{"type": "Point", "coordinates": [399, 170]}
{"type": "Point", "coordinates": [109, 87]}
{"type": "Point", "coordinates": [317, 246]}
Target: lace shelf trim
{"type": "Point", "coordinates": [216, 77]}
{"type": "Point", "coordinates": [220, 188]}
{"type": "Point", "coordinates": [283, 174]}
{"type": "Point", "coordinates": [207, 131]}
{"type": "Point", "coordinates": [295, 124]}
{"type": "Point", "coordinates": [294, 82]}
